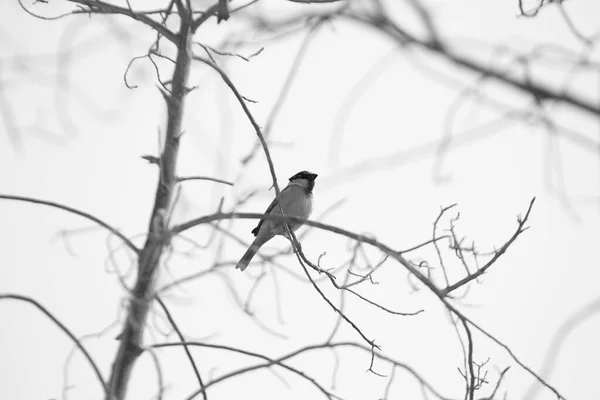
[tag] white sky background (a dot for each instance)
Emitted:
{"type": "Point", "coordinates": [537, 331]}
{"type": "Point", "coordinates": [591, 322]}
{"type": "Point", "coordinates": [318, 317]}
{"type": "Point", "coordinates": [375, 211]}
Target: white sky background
{"type": "Point", "coordinates": [81, 145]}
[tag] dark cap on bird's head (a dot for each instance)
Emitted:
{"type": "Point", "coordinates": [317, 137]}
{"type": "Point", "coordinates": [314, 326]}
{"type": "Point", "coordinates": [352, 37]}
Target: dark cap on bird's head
{"type": "Point", "coordinates": [309, 176]}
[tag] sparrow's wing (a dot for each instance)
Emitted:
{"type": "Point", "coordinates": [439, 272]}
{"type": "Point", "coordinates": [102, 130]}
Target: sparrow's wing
{"type": "Point", "coordinates": [269, 209]}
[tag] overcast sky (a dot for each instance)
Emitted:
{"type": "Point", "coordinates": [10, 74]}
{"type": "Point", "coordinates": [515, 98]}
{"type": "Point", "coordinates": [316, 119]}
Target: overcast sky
{"type": "Point", "coordinates": [73, 133]}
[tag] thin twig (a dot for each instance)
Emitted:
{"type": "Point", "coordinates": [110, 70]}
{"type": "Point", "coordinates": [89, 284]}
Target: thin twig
{"type": "Point", "coordinates": [203, 178]}
{"type": "Point", "coordinates": [285, 89]}
{"type": "Point", "coordinates": [437, 249]}
{"type": "Point", "coordinates": [270, 362]}
{"type": "Point", "coordinates": [520, 229]}
{"type": "Point", "coordinates": [180, 335]}
{"type": "Point", "coordinates": [471, 374]}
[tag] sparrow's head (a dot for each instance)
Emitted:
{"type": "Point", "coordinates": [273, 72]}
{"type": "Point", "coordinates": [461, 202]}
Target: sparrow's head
{"type": "Point", "coordinates": [308, 176]}
{"type": "Point", "coordinates": [305, 179]}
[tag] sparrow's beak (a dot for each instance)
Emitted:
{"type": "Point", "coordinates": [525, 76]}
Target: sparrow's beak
{"type": "Point", "coordinates": [313, 176]}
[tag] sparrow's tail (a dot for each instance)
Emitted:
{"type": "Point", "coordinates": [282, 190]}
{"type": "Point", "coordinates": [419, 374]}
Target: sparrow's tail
{"type": "Point", "coordinates": [249, 254]}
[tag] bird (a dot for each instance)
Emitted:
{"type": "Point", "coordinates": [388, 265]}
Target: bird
{"type": "Point", "coordinates": [297, 201]}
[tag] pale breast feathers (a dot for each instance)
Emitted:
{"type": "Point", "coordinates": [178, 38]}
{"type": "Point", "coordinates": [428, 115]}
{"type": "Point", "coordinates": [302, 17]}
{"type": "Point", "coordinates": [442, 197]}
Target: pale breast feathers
{"type": "Point", "coordinates": [295, 203]}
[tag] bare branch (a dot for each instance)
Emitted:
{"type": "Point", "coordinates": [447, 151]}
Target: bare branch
{"type": "Point", "coordinates": [533, 12]}
{"type": "Point", "coordinates": [385, 25]}
{"type": "Point", "coordinates": [42, 17]}
{"type": "Point", "coordinates": [203, 178]}
{"type": "Point", "coordinates": [217, 9]}
{"type": "Point", "coordinates": [567, 327]}
{"type": "Point", "coordinates": [270, 362]}
{"type": "Point", "coordinates": [423, 244]}
{"type": "Point", "coordinates": [255, 125]}
{"type": "Point", "coordinates": [382, 307]}
{"type": "Point", "coordinates": [385, 249]}
{"type": "Point", "coordinates": [571, 25]}
{"type": "Point", "coordinates": [471, 381]}
{"type": "Point", "coordinates": [130, 346]}
{"type": "Point", "coordinates": [100, 7]}
{"type": "Point", "coordinates": [185, 347]}
{"type": "Point", "coordinates": [507, 349]}
{"type": "Point", "coordinates": [389, 384]}
{"type": "Point", "coordinates": [83, 214]}
{"type": "Point", "coordinates": [210, 49]}
{"type": "Point", "coordinates": [337, 310]}
{"type": "Point", "coordinates": [437, 249]}
{"type": "Point", "coordinates": [159, 374]}
{"type": "Point", "coordinates": [520, 229]}
{"type": "Point", "coordinates": [491, 396]}
{"type": "Point", "coordinates": [10, 296]}
{"type": "Point", "coordinates": [307, 349]}
{"type": "Point", "coordinates": [285, 88]}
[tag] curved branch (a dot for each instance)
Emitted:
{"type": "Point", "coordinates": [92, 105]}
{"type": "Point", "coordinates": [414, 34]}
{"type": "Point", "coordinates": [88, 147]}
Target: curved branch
{"type": "Point", "coordinates": [334, 229]}
{"type": "Point", "coordinates": [83, 214]}
{"type": "Point", "coordinates": [559, 339]}
{"type": "Point", "coordinates": [101, 7]}
{"type": "Point", "coordinates": [270, 362]}
{"type": "Point", "coordinates": [385, 249]}
{"type": "Point", "coordinates": [285, 89]}
{"type": "Point", "coordinates": [333, 306]}
{"type": "Point", "coordinates": [240, 98]}
{"type": "Point", "coordinates": [185, 347]}
{"type": "Point", "coordinates": [255, 125]}
{"type": "Point", "coordinates": [159, 375]}
{"type": "Point", "coordinates": [63, 328]}
{"type": "Point", "coordinates": [261, 137]}
{"type": "Point", "coordinates": [384, 24]}
{"type": "Point", "coordinates": [280, 362]}
{"type": "Point", "coordinates": [379, 22]}
{"type": "Point", "coordinates": [203, 178]}
{"type": "Point", "coordinates": [53, 18]}
{"type": "Point", "coordinates": [205, 16]}
{"type": "Point", "coordinates": [520, 229]}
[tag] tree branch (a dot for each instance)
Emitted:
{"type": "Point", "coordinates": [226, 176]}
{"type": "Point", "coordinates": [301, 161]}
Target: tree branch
{"type": "Point", "coordinates": [520, 229]}
{"type": "Point", "coordinates": [241, 371]}
{"type": "Point", "coordinates": [280, 362]}
{"type": "Point", "coordinates": [255, 125]}
{"type": "Point", "coordinates": [382, 23]}
{"type": "Point", "coordinates": [63, 328]}
{"type": "Point", "coordinates": [180, 335]}
{"type": "Point", "coordinates": [100, 7]}
{"type": "Point", "coordinates": [203, 178]}
{"type": "Point", "coordinates": [385, 249]}
{"type": "Point", "coordinates": [83, 214]}
{"type": "Point", "coordinates": [130, 346]}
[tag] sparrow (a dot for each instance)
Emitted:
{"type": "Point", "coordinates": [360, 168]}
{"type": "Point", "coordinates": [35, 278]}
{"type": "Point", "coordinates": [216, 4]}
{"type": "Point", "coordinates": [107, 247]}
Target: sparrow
{"type": "Point", "coordinates": [297, 201]}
